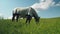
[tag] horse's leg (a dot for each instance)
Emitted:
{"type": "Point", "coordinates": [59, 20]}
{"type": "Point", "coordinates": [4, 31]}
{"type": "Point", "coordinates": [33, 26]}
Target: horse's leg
{"type": "Point", "coordinates": [30, 19]}
{"type": "Point", "coordinates": [13, 18]}
{"type": "Point", "coordinates": [17, 16]}
{"type": "Point", "coordinates": [26, 20]}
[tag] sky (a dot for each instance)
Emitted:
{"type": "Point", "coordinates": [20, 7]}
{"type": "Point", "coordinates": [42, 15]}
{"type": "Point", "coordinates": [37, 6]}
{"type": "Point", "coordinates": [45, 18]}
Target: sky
{"type": "Point", "coordinates": [44, 8]}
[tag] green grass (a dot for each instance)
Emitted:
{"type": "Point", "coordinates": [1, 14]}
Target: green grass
{"type": "Point", "coordinates": [45, 26]}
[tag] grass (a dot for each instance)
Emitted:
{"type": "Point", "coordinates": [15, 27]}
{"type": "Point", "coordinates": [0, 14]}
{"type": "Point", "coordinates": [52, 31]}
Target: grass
{"type": "Point", "coordinates": [45, 26]}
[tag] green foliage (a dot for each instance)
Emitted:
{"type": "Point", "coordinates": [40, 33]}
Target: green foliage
{"type": "Point", "coordinates": [45, 26]}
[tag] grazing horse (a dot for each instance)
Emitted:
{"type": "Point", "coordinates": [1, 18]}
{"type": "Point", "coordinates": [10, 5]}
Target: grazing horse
{"type": "Point", "coordinates": [23, 12]}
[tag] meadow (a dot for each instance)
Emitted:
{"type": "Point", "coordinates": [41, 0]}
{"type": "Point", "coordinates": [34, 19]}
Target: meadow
{"type": "Point", "coordinates": [45, 26]}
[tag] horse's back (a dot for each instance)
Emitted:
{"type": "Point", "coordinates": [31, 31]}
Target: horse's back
{"type": "Point", "coordinates": [24, 11]}
{"type": "Point", "coordinates": [19, 9]}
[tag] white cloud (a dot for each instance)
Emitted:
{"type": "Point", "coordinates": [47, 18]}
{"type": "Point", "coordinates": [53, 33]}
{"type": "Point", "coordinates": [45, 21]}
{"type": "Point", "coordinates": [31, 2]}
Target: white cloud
{"type": "Point", "coordinates": [42, 0]}
{"type": "Point", "coordinates": [58, 4]}
{"type": "Point", "coordinates": [53, 3]}
{"type": "Point", "coordinates": [43, 4]}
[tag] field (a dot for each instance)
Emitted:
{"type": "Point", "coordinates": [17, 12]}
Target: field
{"type": "Point", "coordinates": [45, 26]}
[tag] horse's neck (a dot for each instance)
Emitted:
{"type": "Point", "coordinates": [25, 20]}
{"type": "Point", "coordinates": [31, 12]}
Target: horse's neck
{"type": "Point", "coordinates": [35, 15]}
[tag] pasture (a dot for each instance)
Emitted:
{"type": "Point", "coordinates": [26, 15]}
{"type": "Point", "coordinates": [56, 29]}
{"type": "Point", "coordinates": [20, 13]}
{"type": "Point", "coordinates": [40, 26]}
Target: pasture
{"type": "Point", "coordinates": [45, 26]}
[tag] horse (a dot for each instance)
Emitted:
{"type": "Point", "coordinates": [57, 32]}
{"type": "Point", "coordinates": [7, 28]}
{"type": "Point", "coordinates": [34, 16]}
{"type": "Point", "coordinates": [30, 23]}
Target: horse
{"type": "Point", "coordinates": [22, 12]}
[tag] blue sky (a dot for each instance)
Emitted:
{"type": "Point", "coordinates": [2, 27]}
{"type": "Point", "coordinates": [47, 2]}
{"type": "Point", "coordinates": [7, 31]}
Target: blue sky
{"type": "Point", "coordinates": [51, 10]}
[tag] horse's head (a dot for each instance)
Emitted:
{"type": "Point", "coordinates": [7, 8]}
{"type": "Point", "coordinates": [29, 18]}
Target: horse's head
{"type": "Point", "coordinates": [37, 20]}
